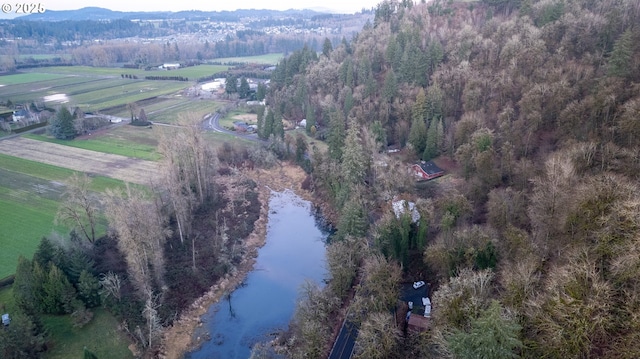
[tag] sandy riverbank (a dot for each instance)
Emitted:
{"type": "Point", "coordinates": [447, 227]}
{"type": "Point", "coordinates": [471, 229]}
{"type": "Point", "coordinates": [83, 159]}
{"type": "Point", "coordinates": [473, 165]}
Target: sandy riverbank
{"type": "Point", "coordinates": [177, 339]}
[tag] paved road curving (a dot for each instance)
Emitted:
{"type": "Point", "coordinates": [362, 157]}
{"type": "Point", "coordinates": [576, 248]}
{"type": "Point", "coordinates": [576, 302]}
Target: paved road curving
{"type": "Point", "coordinates": [213, 123]}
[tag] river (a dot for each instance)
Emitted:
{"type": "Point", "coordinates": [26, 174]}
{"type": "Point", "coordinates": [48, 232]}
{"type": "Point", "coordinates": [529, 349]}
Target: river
{"type": "Point", "coordinates": [265, 302]}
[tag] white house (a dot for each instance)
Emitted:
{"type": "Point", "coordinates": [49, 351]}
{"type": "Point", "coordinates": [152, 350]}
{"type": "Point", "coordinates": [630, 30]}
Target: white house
{"type": "Point", "coordinates": [170, 66]}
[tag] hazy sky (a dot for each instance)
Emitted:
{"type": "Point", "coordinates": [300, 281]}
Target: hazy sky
{"type": "Point", "coordinates": [344, 6]}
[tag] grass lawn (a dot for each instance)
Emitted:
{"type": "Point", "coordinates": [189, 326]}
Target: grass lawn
{"type": "Point", "coordinates": [106, 144]}
{"type": "Point", "coordinates": [268, 59]}
{"type": "Point", "coordinates": [229, 118]}
{"type": "Point", "coordinates": [101, 336]}
{"type": "Point", "coordinates": [7, 303]}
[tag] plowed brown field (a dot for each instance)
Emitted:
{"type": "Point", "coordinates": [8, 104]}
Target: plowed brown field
{"type": "Point", "coordinates": [115, 166]}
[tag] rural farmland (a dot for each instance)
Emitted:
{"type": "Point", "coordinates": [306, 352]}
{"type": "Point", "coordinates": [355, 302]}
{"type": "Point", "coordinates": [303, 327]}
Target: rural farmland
{"type": "Point", "coordinates": [115, 166]}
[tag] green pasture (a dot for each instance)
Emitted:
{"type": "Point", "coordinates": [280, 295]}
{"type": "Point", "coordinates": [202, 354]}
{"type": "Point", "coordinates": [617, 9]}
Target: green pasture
{"type": "Point", "coordinates": [127, 93]}
{"type": "Point", "coordinates": [26, 217]}
{"type": "Point", "coordinates": [192, 72]}
{"type": "Point", "coordinates": [29, 199]}
{"type": "Point", "coordinates": [89, 71]}
{"type": "Point", "coordinates": [14, 79]}
{"type": "Point", "coordinates": [31, 91]}
{"type": "Point", "coordinates": [171, 114]}
{"type": "Point", "coordinates": [268, 59]}
{"type": "Point", "coordinates": [106, 144]}
{"type": "Point", "coordinates": [53, 173]}
{"type": "Point", "coordinates": [101, 336]}
{"type": "Point", "coordinates": [151, 107]}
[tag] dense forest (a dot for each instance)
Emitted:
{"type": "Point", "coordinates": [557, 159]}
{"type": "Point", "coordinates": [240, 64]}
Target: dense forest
{"type": "Point", "coordinates": [530, 244]}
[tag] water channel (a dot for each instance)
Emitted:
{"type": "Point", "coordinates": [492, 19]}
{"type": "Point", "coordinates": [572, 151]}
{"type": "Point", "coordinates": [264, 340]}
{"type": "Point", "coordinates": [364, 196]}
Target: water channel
{"type": "Point", "coordinates": [294, 252]}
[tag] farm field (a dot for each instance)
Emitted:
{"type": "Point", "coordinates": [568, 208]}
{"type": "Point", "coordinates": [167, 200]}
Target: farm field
{"type": "Point", "coordinates": [29, 199]}
{"type": "Point", "coordinates": [105, 144]}
{"type": "Point", "coordinates": [268, 59]}
{"type": "Point", "coordinates": [171, 114]}
{"type": "Point", "coordinates": [28, 78]}
{"type": "Point", "coordinates": [191, 72]}
{"type": "Point", "coordinates": [92, 88]}
{"type": "Point", "coordinates": [115, 166]}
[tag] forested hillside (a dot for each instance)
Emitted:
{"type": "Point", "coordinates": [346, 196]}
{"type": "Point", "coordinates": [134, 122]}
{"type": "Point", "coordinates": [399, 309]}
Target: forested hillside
{"type": "Point", "coordinates": [531, 242]}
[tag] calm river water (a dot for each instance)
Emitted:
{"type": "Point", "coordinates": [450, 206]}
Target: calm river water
{"type": "Point", "coordinates": [294, 252]}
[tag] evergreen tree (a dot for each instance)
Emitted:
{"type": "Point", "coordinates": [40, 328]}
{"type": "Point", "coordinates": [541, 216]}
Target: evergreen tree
{"type": "Point", "coordinates": [620, 62]}
{"type": "Point", "coordinates": [278, 126]}
{"type": "Point", "coordinates": [244, 89]}
{"type": "Point", "coordinates": [491, 336]}
{"type": "Point", "coordinates": [354, 159]}
{"type": "Point", "coordinates": [61, 126]}
{"type": "Point", "coordinates": [89, 289]}
{"type": "Point", "coordinates": [261, 92]}
{"type": "Point", "coordinates": [58, 292]}
{"type": "Point", "coordinates": [390, 88]}
{"type": "Point", "coordinates": [231, 85]}
{"type": "Point", "coordinates": [418, 130]}
{"type": "Point", "coordinates": [336, 134]}
{"type": "Point", "coordinates": [21, 338]}
{"type": "Point", "coordinates": [311, 119]}
{"type": "Point", "coordinates": [25, 287]}
{"type": "Point", "coordinates": [327, 47]}
{"type": "Point", "coordinates": [431, 147]}
{"type": "Point", "coordinates": [353, 220]}
{"type": "Point", "coordinates": [267, 128]}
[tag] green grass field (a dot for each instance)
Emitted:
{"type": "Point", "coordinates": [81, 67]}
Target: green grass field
{"type": "Point", "coordinates": [106, 144]}
{"type": "Point", "coordinates": [229, 118]}
{"type": "Point", "coordinates": [191, 72]}
{"type": "Point", "coordinates": [25, 219]}
{"type": "Point", "coordinates": [29, 200]}
{"type": "Point", "coordinates": [99, 336]}
{"type": "Point", "coordinates": [268, 59]}
{"type": "Point", "coordinates": [7, 80]}
{"type": "Point", "coordinates": [53, 173]}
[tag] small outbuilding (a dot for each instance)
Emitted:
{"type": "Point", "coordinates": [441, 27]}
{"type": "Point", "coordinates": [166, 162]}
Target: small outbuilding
{"type": "Point", "coordinates": [5, 319]}
{"type": "Point", "coordinates": [426, 170]}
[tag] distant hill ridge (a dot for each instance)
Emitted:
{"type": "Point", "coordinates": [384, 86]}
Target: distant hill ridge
{"type": "Point", "coordinates": [98, 13]}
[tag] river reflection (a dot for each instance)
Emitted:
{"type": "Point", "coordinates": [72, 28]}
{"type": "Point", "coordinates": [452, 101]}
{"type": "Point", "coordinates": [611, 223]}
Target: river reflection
{"type": "Point", "coordinates": [294, 252]}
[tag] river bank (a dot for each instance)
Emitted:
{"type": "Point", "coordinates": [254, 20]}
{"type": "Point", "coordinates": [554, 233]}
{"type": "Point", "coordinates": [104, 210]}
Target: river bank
{"type": "Point", "coordinates": [177, 339]}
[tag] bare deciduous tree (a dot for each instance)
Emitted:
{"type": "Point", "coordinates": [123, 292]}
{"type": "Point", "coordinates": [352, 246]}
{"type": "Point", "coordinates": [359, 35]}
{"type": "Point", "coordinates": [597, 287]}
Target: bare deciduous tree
{"type": "Point", "coordinates": [78, 208]}
{"type": "Point", "coordinates": [141, 232]}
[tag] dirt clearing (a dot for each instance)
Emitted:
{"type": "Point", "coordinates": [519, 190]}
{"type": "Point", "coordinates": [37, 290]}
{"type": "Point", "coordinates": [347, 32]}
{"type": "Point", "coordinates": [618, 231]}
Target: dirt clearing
{"type": "Point", "coordinates": [115, 166]}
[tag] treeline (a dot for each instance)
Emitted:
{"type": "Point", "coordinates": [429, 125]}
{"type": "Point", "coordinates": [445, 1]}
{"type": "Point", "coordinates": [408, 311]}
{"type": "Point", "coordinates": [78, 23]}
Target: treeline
{"type": "Point", "coordinates": [533, 106]}
{"type": "Point", "coordinates": [73, 30]}
{"type": "Point", "coordinates": [164, 247]}
{"type": "Point", "coordinates": [168, 78]}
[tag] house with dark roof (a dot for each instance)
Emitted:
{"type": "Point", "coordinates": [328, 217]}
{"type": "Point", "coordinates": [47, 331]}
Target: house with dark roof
{"type": "Point", "coordinates": [426, 170]}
